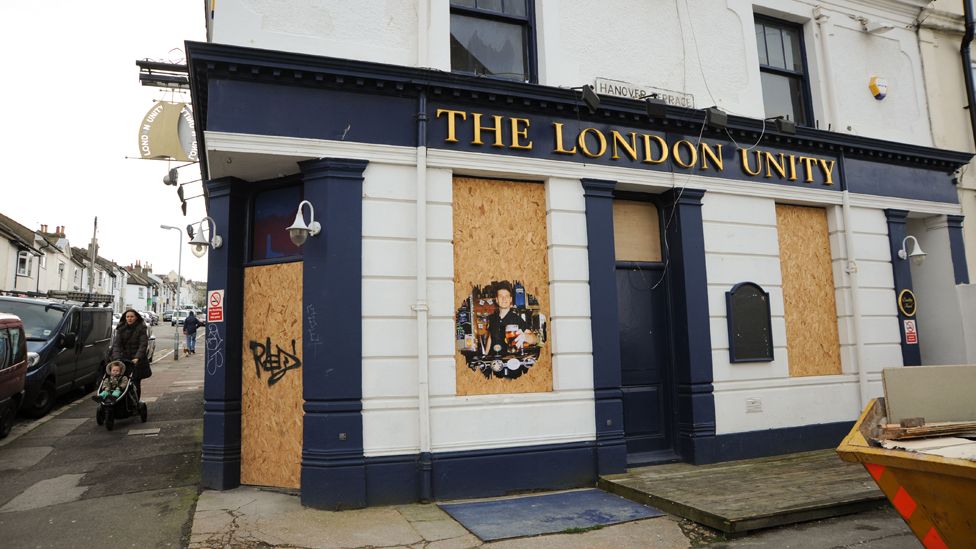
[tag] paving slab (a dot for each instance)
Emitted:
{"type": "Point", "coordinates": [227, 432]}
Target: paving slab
{"type": "Point", "coordinates": [22, 458]}
{"type": "Point", "coordinates": [53, 491]}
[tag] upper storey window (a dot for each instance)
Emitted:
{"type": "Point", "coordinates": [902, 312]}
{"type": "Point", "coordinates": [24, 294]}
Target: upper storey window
{"type": "Point", "coordinates": [493, 38]}
{"type": "Point", "coordinates": [782, 66]}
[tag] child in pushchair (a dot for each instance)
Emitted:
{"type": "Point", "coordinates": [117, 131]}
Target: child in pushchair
{"type": "Point", "coordinates": [116, 397]}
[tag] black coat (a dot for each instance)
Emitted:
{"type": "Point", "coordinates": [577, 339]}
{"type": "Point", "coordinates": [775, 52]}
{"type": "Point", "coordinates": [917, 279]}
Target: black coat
{"type": "Point", "coordinates": [131, 343]}
{"type": "Point", "coordinates": [190, 325]}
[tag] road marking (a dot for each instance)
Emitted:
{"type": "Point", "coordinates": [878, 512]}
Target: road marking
{"type": "Point", "coordinates": [154, 431]}
{"type": "Point", "coordinates": [149, 400]}
{"type": "Point", "coordinates": [188, 382]}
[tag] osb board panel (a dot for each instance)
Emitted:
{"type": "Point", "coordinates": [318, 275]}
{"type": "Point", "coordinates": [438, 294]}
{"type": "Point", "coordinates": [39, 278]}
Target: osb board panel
{"type": "Point", "coordinates": [636, 232]}
{"type": "Point", "coordinates": [812, 342]}
{"type": "Point", "coordinates": [500, 234]}
{"type": "Point", "coordinates": [271, 400]}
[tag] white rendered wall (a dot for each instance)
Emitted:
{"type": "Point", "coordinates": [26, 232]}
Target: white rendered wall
{"type": "Point", "coordinates": [709, 51]}
{"type": "Point", "coordinates": [967, 304]}
{"type": "Point", "coordinates": [383, 31]}
{"type": "Point", "coordinates": [940, 37]}
{"type": "Point", "coordinates": [8, 264]}
{"type": "Point", "coordinates": [390, 403]}
{"type": "Point", "coordinates": [940, 323]}
{"type": "Point", "coordinates": [741, 244]}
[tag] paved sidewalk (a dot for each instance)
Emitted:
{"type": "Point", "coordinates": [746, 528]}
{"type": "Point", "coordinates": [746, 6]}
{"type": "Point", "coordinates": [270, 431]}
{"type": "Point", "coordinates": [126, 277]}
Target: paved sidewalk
{"type": "Point", "coordinates": [253, 517]}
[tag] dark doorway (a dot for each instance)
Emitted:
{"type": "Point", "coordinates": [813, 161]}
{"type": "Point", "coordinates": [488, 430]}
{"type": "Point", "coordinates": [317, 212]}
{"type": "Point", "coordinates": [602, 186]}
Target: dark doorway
{"type": "Point", "coordinates": [645, 336]}
{"type": "Point", "coordinates": [645, 361]}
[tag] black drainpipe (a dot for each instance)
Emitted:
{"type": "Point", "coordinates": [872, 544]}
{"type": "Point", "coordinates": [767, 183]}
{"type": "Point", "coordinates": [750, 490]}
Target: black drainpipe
{"type": "Point", "coordinates": [967, 63]}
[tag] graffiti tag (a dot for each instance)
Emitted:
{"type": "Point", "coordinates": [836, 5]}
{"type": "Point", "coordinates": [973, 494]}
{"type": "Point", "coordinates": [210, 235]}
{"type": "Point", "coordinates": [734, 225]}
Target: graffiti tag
{"type": "Point", "coordinates": [276, 362]}
{"type": "Point", "coordinates": [215, 349]}
{"type": "Point", "coordinates": [312, 338]}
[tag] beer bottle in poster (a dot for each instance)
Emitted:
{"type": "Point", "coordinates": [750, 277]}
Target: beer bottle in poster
{"type": "Point", "coordinates": [519, 295]}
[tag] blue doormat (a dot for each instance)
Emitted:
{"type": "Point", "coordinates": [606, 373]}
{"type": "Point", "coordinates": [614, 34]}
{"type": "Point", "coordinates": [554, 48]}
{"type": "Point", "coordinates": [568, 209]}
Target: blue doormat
{"type": "Point", "coordinates": [545, 514]}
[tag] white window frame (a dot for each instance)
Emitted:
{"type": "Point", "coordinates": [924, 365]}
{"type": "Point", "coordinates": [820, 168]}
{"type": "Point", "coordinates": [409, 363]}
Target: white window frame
{"type": "Point", "coordinates": [23, 263]}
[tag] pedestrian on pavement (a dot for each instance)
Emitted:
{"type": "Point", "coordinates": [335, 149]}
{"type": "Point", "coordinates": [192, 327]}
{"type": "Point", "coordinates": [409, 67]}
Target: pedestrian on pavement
{"type": "Point", "coordinates": [190, 326]}
{"type": "Point", "coordinates": [131, 341]}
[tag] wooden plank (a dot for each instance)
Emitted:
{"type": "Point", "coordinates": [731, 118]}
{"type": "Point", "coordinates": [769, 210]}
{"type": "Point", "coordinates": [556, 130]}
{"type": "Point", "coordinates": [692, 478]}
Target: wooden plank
{"type": "Point", "coordinates": [781, 490]}
{"type": "Point", "coordinates": [636, 231]}
{"type": "Point", "coordinates": [936, 393]}
{"type": "Point", "coordinates": [500, 234]}
{"type": "Point", "coordinates": [812, 340]}
{"type": "Point", "coordinates": [271, 399]}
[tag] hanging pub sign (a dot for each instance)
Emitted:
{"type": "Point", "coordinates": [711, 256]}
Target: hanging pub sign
{"type": "Point", "coordinates": [906, 303]}
{"type": "Point", "coordinates": [167, 132]}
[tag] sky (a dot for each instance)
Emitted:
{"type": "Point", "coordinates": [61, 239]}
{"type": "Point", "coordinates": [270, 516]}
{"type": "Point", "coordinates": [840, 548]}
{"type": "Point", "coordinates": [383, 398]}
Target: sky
{"type": "Point", "coordinates": [72, 104]}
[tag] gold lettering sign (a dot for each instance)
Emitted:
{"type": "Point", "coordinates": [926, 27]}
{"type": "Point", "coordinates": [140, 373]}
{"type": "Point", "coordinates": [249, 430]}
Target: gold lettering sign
{"type": "Point", "coordinates": [906, 303]}
{"type": "Point", "coordinates": [497, 131]}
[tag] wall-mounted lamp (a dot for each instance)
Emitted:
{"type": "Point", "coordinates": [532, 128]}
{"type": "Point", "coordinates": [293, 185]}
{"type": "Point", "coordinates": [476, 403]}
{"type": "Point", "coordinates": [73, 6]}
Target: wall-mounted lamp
{"type": "Point", "coordinates": [783, 124]}
{"type": "Point", "coordinates": [917, 256]}
{"type": "Point", "coordinates": [873, 26]}
{"type": "Point", "coordinates": [590, 97]}
{"type": "Point", "coordinates": [299, 232]}
{"type": "Point", "coordinates": [199, 244]}
{"type": "Point", "coordinates": [716, 118]}
{"type": "Point", "coordinates": [171, 178]}
{"type": "Point", "coordinates": [656, 107]}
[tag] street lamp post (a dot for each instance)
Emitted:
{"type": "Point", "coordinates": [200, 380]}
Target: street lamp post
{"type": "Point", "coordinates": [179, 280]}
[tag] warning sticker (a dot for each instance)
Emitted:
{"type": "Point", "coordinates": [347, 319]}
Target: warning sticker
{"type": "Point", "coordinates": [911, 332]}
{"type": "Point", "coordinates": [215, 306]}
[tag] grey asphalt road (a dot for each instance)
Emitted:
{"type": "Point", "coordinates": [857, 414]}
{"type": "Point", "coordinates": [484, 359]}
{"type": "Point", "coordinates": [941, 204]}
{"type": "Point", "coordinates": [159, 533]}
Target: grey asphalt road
{"type": "Point", "coordinates": [67, 482]}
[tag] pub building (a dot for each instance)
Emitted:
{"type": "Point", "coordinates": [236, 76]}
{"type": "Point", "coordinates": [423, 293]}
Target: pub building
{"type": "Point", "coordinates": [519, 286]}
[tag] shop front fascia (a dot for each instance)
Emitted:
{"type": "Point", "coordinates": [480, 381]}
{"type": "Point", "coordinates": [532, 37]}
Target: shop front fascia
{"type": "Point", "coordinates": [327, 126]}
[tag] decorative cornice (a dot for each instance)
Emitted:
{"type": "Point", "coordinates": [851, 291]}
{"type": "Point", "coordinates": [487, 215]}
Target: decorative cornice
{"type": "Point", "coordinates": [219, 61]}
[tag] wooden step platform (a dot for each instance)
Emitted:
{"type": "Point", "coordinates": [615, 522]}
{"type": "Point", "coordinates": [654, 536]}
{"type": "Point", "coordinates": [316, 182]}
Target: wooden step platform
{"type": "Point", "coordinates": [739, 496]}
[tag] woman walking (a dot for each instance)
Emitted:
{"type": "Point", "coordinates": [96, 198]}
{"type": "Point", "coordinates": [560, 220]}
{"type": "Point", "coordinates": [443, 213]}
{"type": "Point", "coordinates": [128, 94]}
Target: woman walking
{"type": "Point", "coordinates": [131, 341]}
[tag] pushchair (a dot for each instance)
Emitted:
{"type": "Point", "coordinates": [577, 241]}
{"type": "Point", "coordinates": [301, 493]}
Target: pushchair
{"type": "Point", "coordinates": [125, 405]}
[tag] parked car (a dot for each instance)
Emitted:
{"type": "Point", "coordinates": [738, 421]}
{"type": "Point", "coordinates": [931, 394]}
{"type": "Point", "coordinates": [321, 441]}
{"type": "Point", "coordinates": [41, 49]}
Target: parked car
{"type": "Point", "coordinates": [149, 317]}
{"type": "Point", "coordinates": [13, 369]}
{"type": "Point", "coordinates": [168, 315]}
{"type": "Point", "coordinates": [179, 317]}
{"type": "Point", "coordinates": [67, 346]}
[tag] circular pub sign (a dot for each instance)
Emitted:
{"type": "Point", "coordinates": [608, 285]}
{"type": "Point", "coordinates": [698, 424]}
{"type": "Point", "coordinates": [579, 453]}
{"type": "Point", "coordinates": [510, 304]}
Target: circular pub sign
{"type": "Point", "coordinates": [906, 303]}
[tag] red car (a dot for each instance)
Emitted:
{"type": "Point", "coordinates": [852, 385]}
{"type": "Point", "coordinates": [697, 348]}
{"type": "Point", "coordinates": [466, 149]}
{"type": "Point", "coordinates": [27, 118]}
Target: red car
{"type": "Point", "coordinates": [13, 369]}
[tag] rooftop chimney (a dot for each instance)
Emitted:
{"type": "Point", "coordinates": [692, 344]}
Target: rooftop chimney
{"type": "Point", "coordinates": [43, 228]}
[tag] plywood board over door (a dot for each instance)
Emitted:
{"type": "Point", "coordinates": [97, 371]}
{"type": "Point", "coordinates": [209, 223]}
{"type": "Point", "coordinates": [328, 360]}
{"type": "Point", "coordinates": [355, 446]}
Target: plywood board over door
{"type": "Point", "coordinates": [271, 400]}
{"type": "Point", "coordinates": [500, 234]}
{"type": "Point", "coordinates": [812, 341]}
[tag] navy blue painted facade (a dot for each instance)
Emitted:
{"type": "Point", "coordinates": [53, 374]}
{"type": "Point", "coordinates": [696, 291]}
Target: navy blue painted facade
{"type": "Point", "coordinates": [956, 247]}
{"type": "Point", "coordinates": [258, 92]}
{"type": "Point", "coordinates": [901, 269]}
{"type": "Point", "coordinates": [692, 351]}
{"type": "Point", "coordinates": [333, 466]}
{"type": "Point", "coordinates": [882, 178]}
{"type": "Point", "coordinates": [298, 111]}
{"type": "Point", "coordinates": [611, 450]}
{"type": "Point", "coordinates": [222, 389]}
{"type": "Point", "coordinates": [754, 444]}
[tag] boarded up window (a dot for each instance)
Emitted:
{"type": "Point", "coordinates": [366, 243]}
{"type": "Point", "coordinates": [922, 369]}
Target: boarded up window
{"type": "Point", "coordinates": [500, 242]}
{"type": "Point", "coordinates": [636, 231]}
{"type": "Point", "coordinates": [812, 343]}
